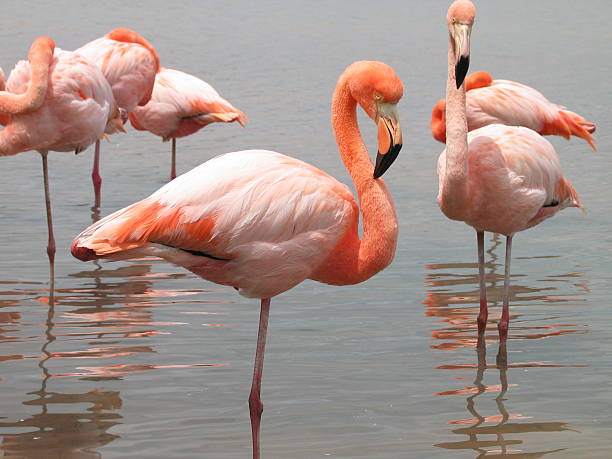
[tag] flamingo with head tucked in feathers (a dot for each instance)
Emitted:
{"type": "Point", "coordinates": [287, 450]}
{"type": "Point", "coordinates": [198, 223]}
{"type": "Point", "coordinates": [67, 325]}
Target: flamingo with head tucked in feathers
{"type": "Point", "coordinates": [263, 222]}
{"type": "Point", "coordinates": [497, 178]}
{"type": "Point", "coordinates": [129, 63]}
{"type": "Point", "coordinates": [56, 101]}
{"type": "Point", "coordinates": [490, 101]}
{"type": "Point", "coordinates": [181, 105]}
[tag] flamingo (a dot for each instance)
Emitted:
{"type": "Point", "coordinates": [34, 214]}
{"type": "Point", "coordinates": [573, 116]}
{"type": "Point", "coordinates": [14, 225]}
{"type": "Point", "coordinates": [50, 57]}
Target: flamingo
{"type": "Point", "coordinates": [57, 100]}
{"type": "Point", "coordinates": [263, 222]}
{"type": "Point", "coordinates": [129, 63]}
{"type": "Point", "coordinates": [492, 101]}
{"type": "Point", "coordinates": [497, 178]}
{"type": "Point", "coordinates": [181, 105]}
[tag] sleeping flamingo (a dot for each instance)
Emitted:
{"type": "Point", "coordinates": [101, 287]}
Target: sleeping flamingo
{"type": "Point", "coordinates": [507, 102]}
{"type": "Point", "coordinates": [181, 105]}
{"type": "Point", "coordinates": [497, 178]}
{"type": "Point", "coordinates": [263, 222]}
{"type": "Point", "coordinates": [57, 100]}
{"type": "Point", "coordinates": [129, 63]}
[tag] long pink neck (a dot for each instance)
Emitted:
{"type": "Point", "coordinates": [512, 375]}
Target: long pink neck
{"type": "Point", "coordinates": [454, 191]}
{"type": "Point", "coordinates": [40, 58]}
{"type": "Point", "coordinates": [355, 260]}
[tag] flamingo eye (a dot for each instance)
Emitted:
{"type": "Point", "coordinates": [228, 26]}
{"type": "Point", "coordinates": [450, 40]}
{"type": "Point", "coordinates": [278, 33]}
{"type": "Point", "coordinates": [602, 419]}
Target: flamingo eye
{"type": "Point", "coordinates": [454, 20]}
{"type": "Point", "coordinates": [378, 96]}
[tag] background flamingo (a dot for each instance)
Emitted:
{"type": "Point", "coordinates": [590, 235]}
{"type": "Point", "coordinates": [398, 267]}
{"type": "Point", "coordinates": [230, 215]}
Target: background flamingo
{"type": "Point", "coordinates": [263, 222]}
{"type": "Point", "coordinates": [57, 100]}
{"type": "Point", "coordinates": [490, 101]}
{"type": "Point", "coordinates": [181, 105]}
{"type": "Point", "coordinates": [498, 178]}
{"type": "Point", "coordinates": [129, 63]}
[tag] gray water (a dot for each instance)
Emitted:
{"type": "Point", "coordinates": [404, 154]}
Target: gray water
{"type": "Point", "coordinates": [143, 359]}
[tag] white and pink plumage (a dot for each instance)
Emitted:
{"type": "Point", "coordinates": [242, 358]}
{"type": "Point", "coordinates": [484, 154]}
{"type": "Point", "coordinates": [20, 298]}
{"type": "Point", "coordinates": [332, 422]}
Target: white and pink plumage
{"type": "Point", "coordinates": [181, 105]}
{"type": "Point", "coordinates": [262, 222]}
{"type": "Point", "coordinates": [129, 63]}
{"type": "Point", "coordinates": [497, 178]}
{"type": "Point", "coordinates": [57, 100]}
{"type": "Point", "coordinates": [490, 101]}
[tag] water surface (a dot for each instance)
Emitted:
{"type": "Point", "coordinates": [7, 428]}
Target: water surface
{"type": "Point", "coordinates": [142, 359]}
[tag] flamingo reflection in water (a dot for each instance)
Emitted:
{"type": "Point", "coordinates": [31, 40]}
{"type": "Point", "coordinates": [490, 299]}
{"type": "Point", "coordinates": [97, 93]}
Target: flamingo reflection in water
{"type": "Point", "coordinates": [507, 424]}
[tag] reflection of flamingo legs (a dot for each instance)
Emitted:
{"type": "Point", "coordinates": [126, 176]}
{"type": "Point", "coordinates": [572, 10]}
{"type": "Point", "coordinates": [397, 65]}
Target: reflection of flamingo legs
{"type": "Point", "coordinates": [502, 365]}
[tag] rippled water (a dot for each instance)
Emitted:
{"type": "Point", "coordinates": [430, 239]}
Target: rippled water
{"type": "Point", "coordinates": [143, 359]}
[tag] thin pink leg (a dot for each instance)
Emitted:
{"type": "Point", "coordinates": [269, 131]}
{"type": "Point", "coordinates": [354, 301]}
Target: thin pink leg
{"type": "Point", "coordinates": [51, 241]}
{"type": "Point", "coordinates": [255, 404]}
{"type": "Point", "coordinates": [505, 317]}
{"type": "Point", "coordinates": [173, 166]}
{"type": "Point", "coordinates": [95, 174]}
{"type": "Point", "coordinates": [484, 311]}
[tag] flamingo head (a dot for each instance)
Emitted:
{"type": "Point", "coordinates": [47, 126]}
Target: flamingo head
{"type": "Point", "coordinates": [460, 18]}
{"type": "Point", "coordinates": [377, 89]}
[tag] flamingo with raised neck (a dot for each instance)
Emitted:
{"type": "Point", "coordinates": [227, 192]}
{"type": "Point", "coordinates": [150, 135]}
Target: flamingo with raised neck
{"type": "Point", "coordinates": [497, 178]}
{"type": "Point", "coordinates": [263, 222]}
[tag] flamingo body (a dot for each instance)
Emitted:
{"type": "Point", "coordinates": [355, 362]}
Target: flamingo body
{"type": "Point", "coordinates": [268, 219]}
{"type": "Point", "coordinates": [78, 108]}
{"type": "Point", "coordinates": [181, 105]}
{"type": "Point", "coordinates": [129, 63]}
{"type": "Point", "coordinates": [490, 101]}
{"type": "Point", "coordinates": [514, 180]}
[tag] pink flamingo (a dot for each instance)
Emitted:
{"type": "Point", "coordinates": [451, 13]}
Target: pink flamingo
{"type": "Point", "coordinates": [57, 100]}
{"type": "Point", "coordinates": [181, 105]}
{"type": "Point", "coordinates": [129, 63]}
{"type": "Point", "coordinates": [507, 102]}
{"type": "Point", "coordinates": [263, 222]}
{"type": "Point", "coordinates": [497, 178]}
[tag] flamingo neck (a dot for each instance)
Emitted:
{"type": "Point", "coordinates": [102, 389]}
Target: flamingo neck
{"type": "Point", "coordinates": [454, 190]}
{"type": "Point", "coordinates": [40, 59]}
{"type": "Point", "coordinates": [355, 260]}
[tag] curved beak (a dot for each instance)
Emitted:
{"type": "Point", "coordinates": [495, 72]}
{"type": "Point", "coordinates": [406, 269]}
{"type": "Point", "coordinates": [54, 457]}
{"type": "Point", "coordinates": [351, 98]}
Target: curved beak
{"type": "Point", "coordinates": [461, 37]}
{"type": "Point", "coordinates": [389, 137]}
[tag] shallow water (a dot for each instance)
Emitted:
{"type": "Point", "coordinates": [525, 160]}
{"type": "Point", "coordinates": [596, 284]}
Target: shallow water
{"type": "Point", "coordinates": [143, 359]}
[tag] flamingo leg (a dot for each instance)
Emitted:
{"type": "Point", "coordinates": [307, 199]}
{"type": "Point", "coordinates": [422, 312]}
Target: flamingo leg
{"type": "Point", "coordinates": [51, 241]}
{"type": "Point", "coordinates": [173, 166]}
{"type": "Point", "coordinates": [255, 404]}
{"type": "Point", "coordinates": [505, 317]}
{"type": "Point", "coordinates": [95, 174]}
{"type": "Point", "coordinates": [484, 311]}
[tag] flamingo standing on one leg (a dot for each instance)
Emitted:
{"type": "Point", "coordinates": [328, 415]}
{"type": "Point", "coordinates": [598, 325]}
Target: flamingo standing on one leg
{"type": "Point", "coordinates": [129, 63]}
{"type": "Point", "coordinates": [263, 222]}
{"type": "Point", "coordinates": [57, 100]}
{"type": "Point", "coordinates": [181, 105]}
{"type": "Point", "coordinates": [498, 178]}
{"type": "Point", "coordinates": [490, 101]}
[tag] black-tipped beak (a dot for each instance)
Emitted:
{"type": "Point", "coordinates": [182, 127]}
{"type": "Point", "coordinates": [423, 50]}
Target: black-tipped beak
{"type": "Point", "coordinates": [389, 137]}
{"type": "Point", "coordinates": [461, 69]}
{"type": "Point", "coordinates": [384, 161]}
{"type": "Point", "coordinates": [461, 36]}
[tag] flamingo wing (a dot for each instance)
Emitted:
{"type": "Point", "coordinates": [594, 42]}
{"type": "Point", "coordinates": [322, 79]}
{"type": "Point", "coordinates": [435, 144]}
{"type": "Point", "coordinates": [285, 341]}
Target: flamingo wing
{"type": "Point", "coordinates": [257, 220]}
{"type": "Point", "coordinates": [515, 178]}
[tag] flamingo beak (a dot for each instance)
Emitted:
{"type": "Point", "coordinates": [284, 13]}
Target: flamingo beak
{"type": "Point", "coordinates": [461, 38]}
{"type": "Point", "coordinates": [389, 137]}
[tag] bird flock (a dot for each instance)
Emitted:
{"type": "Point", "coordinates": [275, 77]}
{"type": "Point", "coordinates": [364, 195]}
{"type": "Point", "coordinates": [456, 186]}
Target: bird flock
{"type": "Point", "coordinates": [263, 222]}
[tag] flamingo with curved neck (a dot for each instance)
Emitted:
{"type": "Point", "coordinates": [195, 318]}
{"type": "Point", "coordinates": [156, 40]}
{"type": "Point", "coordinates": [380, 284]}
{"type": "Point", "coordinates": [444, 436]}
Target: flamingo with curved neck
{"type": "Point", "coordinates": [497, 178]}
{"type": "Point", "coordinates": [57, 100]}
{"type": "Point", "coordinates": [263, 222]}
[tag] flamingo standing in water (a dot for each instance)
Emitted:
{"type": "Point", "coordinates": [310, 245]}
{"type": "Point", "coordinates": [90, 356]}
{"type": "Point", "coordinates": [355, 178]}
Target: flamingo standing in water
{"type": "Point", "coordinates": [181, 105]}
{"type": "Point", "coordinates": [129, 63]}
{"type": "Point", "coordinates": [497, 178]}
{"type": "Point", "coordinates": [57, 100]}
{"type": "Point", "coordinates": [263, 222]}
{"type": "Point", "coordinates": [490, 101]}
